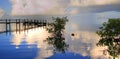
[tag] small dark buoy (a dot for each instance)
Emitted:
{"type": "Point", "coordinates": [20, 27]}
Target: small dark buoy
{"type": "Point", "coordinates": [72, 34]}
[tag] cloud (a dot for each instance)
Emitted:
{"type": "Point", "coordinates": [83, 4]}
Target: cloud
{"type": "Point", "coordinates": [92, 2]}
{"type": "Point", "coordinates": [100, 8]}
{"type": "Point", "coordinates": [61, 7]}
{"type": "Point", "coordinates": [1, 13]}
{"type": "Point", "coordinates": [94, 6]}
{"type": "Point", "coordinates": [30, 7]}
{"type": "Point", "coordinates": [74, 11]}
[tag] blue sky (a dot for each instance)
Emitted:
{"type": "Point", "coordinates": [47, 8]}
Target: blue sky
{"type": "Point", "coordinates": [5, 5]}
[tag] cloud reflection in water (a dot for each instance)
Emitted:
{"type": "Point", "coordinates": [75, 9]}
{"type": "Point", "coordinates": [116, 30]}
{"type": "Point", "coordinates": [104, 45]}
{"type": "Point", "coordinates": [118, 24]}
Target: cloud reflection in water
{"type": "Point", "coordinates": [83, 43]}
{"type": "Point", "coordinates": [34, 37]}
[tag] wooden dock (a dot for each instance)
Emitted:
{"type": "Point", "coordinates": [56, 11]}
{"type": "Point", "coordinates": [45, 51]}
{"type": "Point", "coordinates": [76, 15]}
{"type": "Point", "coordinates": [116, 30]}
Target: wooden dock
{"type": "Point", "coordinates": [26, 23]}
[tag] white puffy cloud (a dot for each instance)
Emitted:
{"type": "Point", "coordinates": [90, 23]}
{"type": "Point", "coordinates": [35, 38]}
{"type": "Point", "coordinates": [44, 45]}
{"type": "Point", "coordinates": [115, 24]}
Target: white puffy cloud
{"type": "Point", "coordinates": [53, 7]}
{"type": "Point", "coordinates": [30, 7]}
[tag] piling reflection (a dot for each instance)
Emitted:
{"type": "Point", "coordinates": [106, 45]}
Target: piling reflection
{"type": "Point", "coordinates": [57, 39]}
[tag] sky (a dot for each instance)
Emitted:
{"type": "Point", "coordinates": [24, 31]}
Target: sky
{"type": "Point", "coordinates": [84, 15]}
{"type": "Point", "coordinates": [5, 5]}
{"type": "Point", "coordinates": [58, 7]}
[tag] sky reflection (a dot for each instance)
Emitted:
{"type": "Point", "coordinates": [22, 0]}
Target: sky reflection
{"type": "Point", "coordinates": [82, 45]}
{"type": "Point", "coordinates": [32, 36]}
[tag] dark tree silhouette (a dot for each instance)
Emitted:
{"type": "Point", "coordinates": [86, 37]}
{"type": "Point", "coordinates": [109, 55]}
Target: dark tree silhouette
{"type": "Point", "coordinates": [110, 36]}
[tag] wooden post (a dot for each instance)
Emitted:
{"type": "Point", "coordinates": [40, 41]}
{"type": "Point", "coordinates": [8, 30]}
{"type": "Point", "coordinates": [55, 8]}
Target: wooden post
{"type": "Point", "coordinates": [19, 26]}
{"type": "Point", "coordinates": [27, 25]}
{"type": "Point", "coordinates": [9, 26]}
{"type": "Point", "coordinates": [24, 25]}
{"type": "Point", "coordinates": [16, 26]}
{"type": "Point", "coordinates": [40, 22]}
{"type": "Point", "coordinates": [6, 26]}
{"type": "Point", "coordinates": [43, 22]}
{"type": "Point", "coordinates": [33, 24]}
{"type": "Point", "coordinates": [37, 23]}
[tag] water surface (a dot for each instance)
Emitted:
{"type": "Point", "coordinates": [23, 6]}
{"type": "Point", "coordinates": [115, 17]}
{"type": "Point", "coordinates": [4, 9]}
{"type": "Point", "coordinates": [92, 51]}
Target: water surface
{"type": "Point", "coordinates": [30, 44]}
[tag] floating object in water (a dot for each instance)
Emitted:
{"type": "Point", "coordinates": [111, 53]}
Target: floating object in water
{"type": "Point", "coordinates": [72, 34]}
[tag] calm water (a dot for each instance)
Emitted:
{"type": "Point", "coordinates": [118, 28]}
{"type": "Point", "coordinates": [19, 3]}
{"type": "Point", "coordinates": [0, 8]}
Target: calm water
{"type": "Point", "coordinates": [31, 44]}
